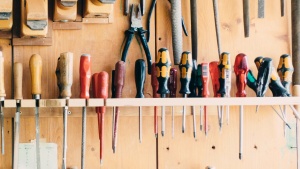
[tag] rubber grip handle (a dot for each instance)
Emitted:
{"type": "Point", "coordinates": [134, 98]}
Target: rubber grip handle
{"type": "Point", "coordinates": [185, 66]}
{"type": "Point", "coordinates": [263, 77]}
{"type": "Point", "coordinates": [176, 30]}
{"type": "Point", "coordinates": [215, 75]}
{"type": "Point", "coordinates": [199, 83]}
{"type": "Point", "coordinates": [163, 66]}
{"type": "Point", "coordinates": [172, 82]}
{"type": "Point", "coordinates": [85, 75]}
{"type": "Point", "coordinates": [241, 70]}
{"type": "Point", "coordinates": [140, 76]}
{"type": "Point", "coordinates": [102, 87]}
{"type": "Point", "coordinates": [205, 79]}
{"type": "Point", "coordinates": [35, 65]}
{"type": "Point", "coordinates": [66, 74]}
{"type": "Point", "coordinates": [285, 71]}
{"type": "Point", "coordinates": [18, 78]}
{"type": "Point", "coordinates": [113, 90]}
{"type": "Point", "coordinates": [119, 79]}
{"type": "Point", "coordinates": [154, 81]}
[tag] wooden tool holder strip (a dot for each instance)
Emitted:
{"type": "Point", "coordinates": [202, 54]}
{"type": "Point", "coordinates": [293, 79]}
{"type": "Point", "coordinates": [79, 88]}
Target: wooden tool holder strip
{"type": "Point", "coordinates": [145, 102]}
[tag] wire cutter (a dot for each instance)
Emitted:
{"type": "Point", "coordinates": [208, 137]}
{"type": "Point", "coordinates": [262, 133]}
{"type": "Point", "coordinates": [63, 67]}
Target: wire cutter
{"type": "Point", "coordinates": [136, 26]}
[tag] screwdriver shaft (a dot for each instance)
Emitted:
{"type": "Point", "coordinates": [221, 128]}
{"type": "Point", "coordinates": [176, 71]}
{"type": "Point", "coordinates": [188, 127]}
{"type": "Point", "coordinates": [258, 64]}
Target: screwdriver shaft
{"type": "Point", "coordinates": [173, 122]}
{"type": "Point", "coordinates": [163, 119]}
{"type": "Point", "coordinates": [83, 138]}
{"type": "Point", "coordinates": [140, 124]}
{"type": "Point", "coordinates": [113, 125]}
{"type": "Point", "coordinates": [65, 123]}
{"type": "Point", "coordinates": [183, 116]}
{"type": "Point", "coordinates": [201, 118]}
{"type": "Point", "coordinates": [155, 122]}
{"type": "Point", "coordinates": [194, 121]}
{"type": "Point", "coordinates": [205, 121]}
{"type": "Point", "coordinates": [37, 128]}
{"type": "Point", "coordinates": [16, 139]}
{"type": "Point", "coordinates": [241, 132]}
{"type": "Point", "coordinates": [115, 130]}
{"type": "Point", "coordinates": [2, 127]}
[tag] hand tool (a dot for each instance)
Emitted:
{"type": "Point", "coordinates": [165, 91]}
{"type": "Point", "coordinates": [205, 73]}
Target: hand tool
{"type": "Point", "coordinates": [119, 81]}
{"type": "Point", "coordinates": [136, 26]}
{"type": "Point", "coordinates": [6, 17]}
{"type": "Point", "coordinates": [225, 78]}
{"type": "Point", "coordinates": [163, 66]}
{"type": "Point", "coordinates": [261, 8]}
{"type": "Point", "coordinates": [18, 78]}
{"type": "Point", "coordinates": [140, 77]}
{"type": "Point", "coordinates": [217, 26]}
{"type": "Point", "coordinates": [35, 65]}
{"type": "Point", "coordinates": [246, 17]}
{"type": "Point", "coordinates": [126, 7]}
{"type": "Point", "coordinates": [172, 86]}
{"type": "Point", "coordinates": [282, 6]}
{"type": "Point", "coordinates": [176, 31]}
{"type": "Point", "coordinates": [192, 85]}
{"type": "Point", "coordinates": [215, 76]}
{"type": "Point", "coordinates": [205, 91]}
{"type": "Point", "coordinates": [143, 4]}
{"type": "Point", "coordinates": [113, 95]}
{"type": "Point", "coordinates": [200, 88]}
{"type": "Point", "coordinates": [102, 92]}
{"type": "Point", "coordinates": [194, 28]}
{"type": "Point", "coordinates": [241, 69]}
{"type": "Point", "coordinates": [85, 76]}
{"type": "Point", "coordinates": [149, 18]}
{"type": "Point", "coordinates": [285, 71]}
{"type": "Point", "coordinates": [263, 77]}
{"type": "Point", "coordinates": [251, 81]}
{"type": "Point", "coordinates": [64, 73]}
{"type": "Point", "coordinates": [154, 84]}
{"type": "Point", "coordinates": [185, 67]}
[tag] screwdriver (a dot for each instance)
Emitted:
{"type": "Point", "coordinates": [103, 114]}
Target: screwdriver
{"type": "Point", "coordinates": [2, 97]}
{"type": "Point", "coordinates": [185, 67]}
{"type": "Point", "coordinates": [200, 88]}
{"type": "Point", "coordinates": [119, 81]}
{"type": "Point", "coordinates": [205, 91]}
{"type": "Point", "coordinates": [35, 65]}
{"type": "Point", "coordinates": [64, 73]}
{"type": "Point", "coordinates": [163, 66]}
{"type": "Point", "coordinates": [172, 85]}
{"type": "Point", "coordinates": [215, 75]}
{"type": "Point", "coordinates": [85, 76]}
{"type": "Point", "coordinates": [154, 84]}
{"type": "Point", "coordinates": [140, 76]}
{"type": "Point", "coordinates": [193, 90]}
{"type": "Point", "coordinates": [225, 78]}
{"type": "Point", "coordinates": [241, 69]}
{"type": "Point", "coordinates": [113, 95]}
{"type": "Point", "coordinates": [18, 78]}
{"type": "Point", "coordinates": [102, 92]}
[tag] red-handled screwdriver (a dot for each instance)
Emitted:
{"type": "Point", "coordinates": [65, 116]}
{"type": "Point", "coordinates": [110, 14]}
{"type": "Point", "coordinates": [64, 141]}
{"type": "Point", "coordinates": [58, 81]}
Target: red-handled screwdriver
{"type": "Point", "coordinates": [154, 84]}
{"type": "Point", "coordinates": [205, 91]}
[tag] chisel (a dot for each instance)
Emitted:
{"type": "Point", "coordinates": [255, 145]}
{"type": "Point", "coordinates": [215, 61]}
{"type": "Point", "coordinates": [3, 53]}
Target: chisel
{"type": "Point", "coordinates": [85, 76]}
{"type": "Point", "coordinates": [64, 73]}
{"type": "Point", "coordinates": [18, 78]}
{"type": "Point", "coordinates": [35, 65]}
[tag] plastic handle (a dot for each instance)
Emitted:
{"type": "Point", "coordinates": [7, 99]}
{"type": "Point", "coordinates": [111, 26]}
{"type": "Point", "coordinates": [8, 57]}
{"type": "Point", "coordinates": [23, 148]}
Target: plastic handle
{"type": "Point", "coordinates": [66, 74]}
{"type": "Point", "coordinates": [215, 75]}
{"type": "Point", "coordinates": [85, 75]}
{"type": "Point", "coordinates": [163, 66]}
{"type": "Point", "coordinates": [154, 81]}
{"type": "Point", "coordinates": [205, 79]}
{"type": "Point", "coordinates": [18, 78]}
{"type": "Point", "coordinates": [94, 84]}
{"type": "Point", "coordinates": [241, 70]}
{"type": "Point", "coordinates": [224, 74]}
{"type": "Point", "coordinates": [140, 76]}
{"type": "Point", "coordinates": [119, 79]}
{"type": "Point", "coordinates": [185, 66]}
{"type": "Point", "coordinates": [193, 85]}
{"type": "Point", "coordinates": [172, 82]}
{"type": "Point", "coordinates": [102, 88]}
{"type": "Point", "coordinates": [35, 65]}
{"type": "Point", "coordinates": [285, 71]}
{"type": "Point", "coordinates": [263, 77]}
{"type": "Point", "coordinates": [199, 83]}
{"type": "Point", "coordinates": [113, 90]}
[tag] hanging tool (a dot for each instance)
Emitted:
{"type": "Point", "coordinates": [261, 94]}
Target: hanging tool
{"type": "Point", "coordinates": [2, 97]}
{"type": "Point", "coordinates": [205, 91]}
{"type": "Point", "coordinates": [113, 95]}
{"type": "Point", "coordinates": [140, 76]}
{"type": "Point", "coordinates": [172, 86]}
{"type": "Point", "coordinates": [136, 26]}
{"type": "Point", "coordinates": [35, 65]}
{"type": "Point", "coordinates": [193, 85]}
{"type": "Point", "coordinates": [246, 17]}
{"type": "Point", "coordinates": [85, 76]}
{"type": "Point", "coordinates": [282, 6]}
{"type": "Point", "coordinates": [64, 73]}
{"type": "Point", "coordinates": [18, 78]}
{"type": "Point", "coordinates": [261, 8]}
{"type": "Point", "coordinates": [126, 7]}
{"type": "Point", "coordinates": [143, 4]}
{"type": "Point", "coordinates": [176, 31]}
{"type": "Point", "coordinates": [199, 86]}
{"type": "Point", "coordinates": [215, 76]}
{"type": "Point", "coordinates": [185, 67]}
{"type": "Point", "coordinates": [194, 29]}
{"type": "Point", "coordinates": [241, 69]}
{"type": "Point", "coordinates": [217, 26]}
{"type": "Point", "coordinates": [163, 66]}
{"type": "Point", "coordinates": [263, 77]}
{"type": "Point", "coordinates": [154, 84]}
{"type": "Point", "coordinates": [119, 81]}
{"type": "Point", "coordinates": [225, 78]}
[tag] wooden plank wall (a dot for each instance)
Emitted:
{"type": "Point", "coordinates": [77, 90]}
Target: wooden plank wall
{"type": "Point", "coordinates": [264, 143]}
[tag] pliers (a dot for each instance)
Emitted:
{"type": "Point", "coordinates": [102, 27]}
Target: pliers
{"type": "Point", "coordinates": [136, 26]}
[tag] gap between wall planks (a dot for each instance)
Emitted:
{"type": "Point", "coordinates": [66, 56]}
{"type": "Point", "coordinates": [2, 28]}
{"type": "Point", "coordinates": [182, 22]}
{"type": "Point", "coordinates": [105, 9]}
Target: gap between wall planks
{"type": "Point", "coordinates": [269, 37]}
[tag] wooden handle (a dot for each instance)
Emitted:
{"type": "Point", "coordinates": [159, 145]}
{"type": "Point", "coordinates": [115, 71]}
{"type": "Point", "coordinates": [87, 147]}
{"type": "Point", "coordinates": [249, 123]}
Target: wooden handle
{"type": "Point", "coordinates": [35, 65]}
{"type": "Point", "coordinates": [102, 90]}
{"type": "Point", "coordinates": [18, 78]}
{"type": "Point", "coordinates": [85, 75]}
{"type": "Point", "coordinates": [119, 78]}
{"type": "Point", "coordinates": [95, 88]}
{"type": "Point", "coordinates": [66, 74]}
{"type": "Point", "coordinates": [6, 5]}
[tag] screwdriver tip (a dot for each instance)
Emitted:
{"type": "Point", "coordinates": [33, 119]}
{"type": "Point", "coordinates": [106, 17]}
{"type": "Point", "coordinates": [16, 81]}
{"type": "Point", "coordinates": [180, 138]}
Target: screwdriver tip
{"type": "Point", "coordinates": [156, 135]}
{"type": "Point", "coordinates": [101, 162]}
{"type": "Point", "coordinates": [195, 135]}
{"type": "Point", "coordinates": [162, 133]}
{"type": "Point", "coordinates": [183, 130]}
{"type": "Point", "coordinates": [201, 127]}
{"type": "Point", "coordinates": [240, 156]}
{"type": "Point", "coordinates": [114, 150]}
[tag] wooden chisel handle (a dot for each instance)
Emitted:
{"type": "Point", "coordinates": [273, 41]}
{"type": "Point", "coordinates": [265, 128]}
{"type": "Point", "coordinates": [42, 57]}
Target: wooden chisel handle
{"type": "Point", "coordinates": [66, 74]}
{"type": "Point", "coordinates": [35, 65]}
{"type": "Point", "coordinates": [18, 78]}
{"type": "Point", "coordinates": [85, 75]}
